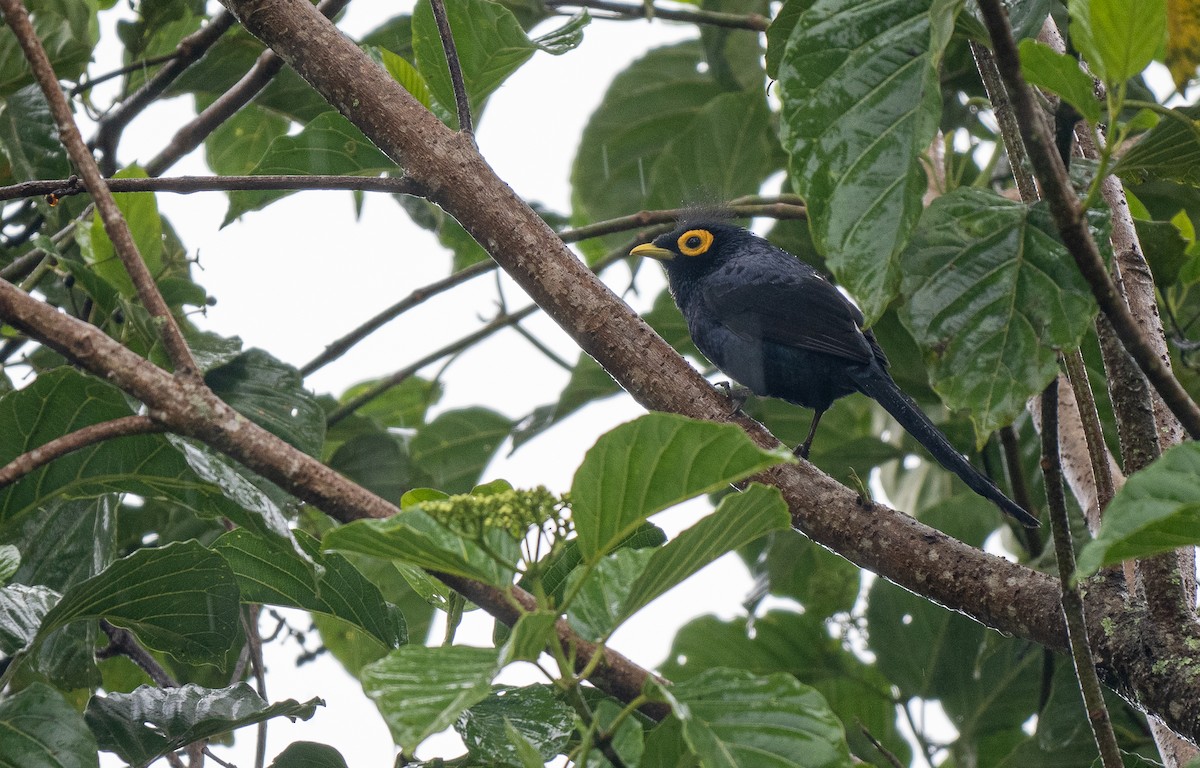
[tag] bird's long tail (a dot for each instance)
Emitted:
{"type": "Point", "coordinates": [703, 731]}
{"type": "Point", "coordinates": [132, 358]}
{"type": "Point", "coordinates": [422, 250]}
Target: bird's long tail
{"type": "Point", "coordinates": [877, 384]}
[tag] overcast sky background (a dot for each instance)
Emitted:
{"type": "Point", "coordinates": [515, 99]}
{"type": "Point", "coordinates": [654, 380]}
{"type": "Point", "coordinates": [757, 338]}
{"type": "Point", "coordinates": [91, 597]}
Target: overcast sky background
{"type": "Point", "coordinates": [301, 273]}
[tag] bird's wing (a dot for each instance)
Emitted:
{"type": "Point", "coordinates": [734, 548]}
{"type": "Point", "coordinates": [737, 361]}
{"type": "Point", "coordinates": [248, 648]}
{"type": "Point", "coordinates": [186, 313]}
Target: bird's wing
{"type": "Point", "coordinates": [803, 311]}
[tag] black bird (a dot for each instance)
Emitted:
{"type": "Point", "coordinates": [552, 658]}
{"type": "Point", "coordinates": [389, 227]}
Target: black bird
{"type": "Point", "coordinates": [776, 326]}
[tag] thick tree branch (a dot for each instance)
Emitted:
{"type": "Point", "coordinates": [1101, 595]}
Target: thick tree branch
{"type": "Point", "coordinates": [114, 222]}
{"type": "Point", "coordinates": [73, 441]}
{"type": "Point", "coordinates": [996, 592]}
{"type": "Point", "coordinates": [1072, 225]}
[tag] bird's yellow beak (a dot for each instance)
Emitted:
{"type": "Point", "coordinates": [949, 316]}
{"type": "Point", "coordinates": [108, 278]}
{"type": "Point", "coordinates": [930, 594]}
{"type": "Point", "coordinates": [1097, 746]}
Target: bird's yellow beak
{"type": "Point", "coordinates": [650, 250]}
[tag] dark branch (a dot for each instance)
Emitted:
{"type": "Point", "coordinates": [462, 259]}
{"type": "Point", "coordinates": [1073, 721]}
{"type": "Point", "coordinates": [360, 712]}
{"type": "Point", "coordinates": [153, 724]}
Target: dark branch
{"type": "Point", "coordinates": [186, 185]}
{"type": "Point", "coordinates": [73, 441]}
{"type": "Point", "coordinates": [462, 104]}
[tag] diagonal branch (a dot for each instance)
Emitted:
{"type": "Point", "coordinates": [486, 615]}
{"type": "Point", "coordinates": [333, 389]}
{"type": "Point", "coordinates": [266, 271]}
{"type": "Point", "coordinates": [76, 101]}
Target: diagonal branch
{"type": "Point", "coordinates": [114, 222]}
{"type": "Point", "coordinates": [1069, 218]}
{"type": "Point", "coordinates": [752, 21]}
{"type": "Point", "coordinates": [73, 441]}
{"type": "Point", "coordinates": [1003, 595]}
{"type": "Point", "coordinates": [186, 185]}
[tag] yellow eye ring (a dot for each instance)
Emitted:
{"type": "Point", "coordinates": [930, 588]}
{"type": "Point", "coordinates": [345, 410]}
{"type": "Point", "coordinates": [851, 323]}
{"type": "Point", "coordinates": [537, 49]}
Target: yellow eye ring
{"type": "Point", "coordinates": [694, 242]}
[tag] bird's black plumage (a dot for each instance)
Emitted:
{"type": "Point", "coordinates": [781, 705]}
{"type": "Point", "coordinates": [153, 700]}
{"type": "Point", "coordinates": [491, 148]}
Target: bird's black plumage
{"type": "Point", "coordinates": [775, 325]}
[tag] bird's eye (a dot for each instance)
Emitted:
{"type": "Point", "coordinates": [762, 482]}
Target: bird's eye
{"type": "Point", "coordinates": [695, 242]}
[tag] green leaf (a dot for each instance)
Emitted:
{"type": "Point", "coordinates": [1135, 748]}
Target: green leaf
{"type": "Point", "coordinates": [180, 599]}
{"type": "Point", "coordinates": [140, 210]}
{"type": "Point", "coordinates": [530, 636]}
{"type": "Point", "coordinates": [1117, 39]}
{"type": "Point", "coordinates": [238, 144]}
{"type": "Point", "coordinates": [595, 612]}
{"type": "Point", "coordinates": [799, 645]}
{"type": "Point", "coordinates": [308, 754]}
{"type": "Point", "coordinates": [22, 610]}
{"type": "Point", "coordinates": [64, 400]}
{"type": "Point", "coordinates": [646, 465]}
{"type": "Point", "coordinates": [421, 690]}
{"type": "Point", "coordinates": [42, 730]}
{"type": "Point", "coordinates": [654, 100]}
{"type": "Point", "coordinates": [450, 233]}
{"type": "Point", "coordinates": [566, 38]}
{"type": "Point", "coordinates": [68, 31]}
{"type": "Point", "coordinates": [491, 46]}
{"type": "Point", "coordinates": [456, 447]}
{"type": "Point", "coordinates": [29, 137]}
{"type": "Point", "coordinates": [861, 102]}
{"type": "Point", "coordinates": [404, 405]}
{"type": "Point", "coordinates": [1169, 151]}
{"type": "Point", "coordinates": [738, 520]}
{"type": "Point", "coordinates": [987, 684]}
{"type": "Point", "coordinates": [329, 145]}
{"type": "Point", "coordinates": [271, 394]}
{"type": "Point", "coordinates": [1046, 68]}
{"type": "Point", "coordinates": [144, 725]}
{"type": "Point", "coordinates": [1157, 510]}
{"type": "Point", "coordinates": [415, 538]}
{"type": "Point", "coordinates": [10, 561]}
{"type": "Point", "coordinates": [269, 571]}
{"type": "Point", "coordinates": [536, 712]}
{"type": "Point", "coordinates": [407, 75]}
{"type": "Point", "coordinates": [994, 296]}
{"type": "Point", "coordinates": [734, 718]}
{"type": "Point", "coordinates": [791, 565]}
{"type": "Point", "coordinates": [727, 150]}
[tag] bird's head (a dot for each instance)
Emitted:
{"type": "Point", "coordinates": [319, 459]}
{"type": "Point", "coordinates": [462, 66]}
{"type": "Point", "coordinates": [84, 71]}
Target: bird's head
{"type": "Point", "coordinates": [695, 247]}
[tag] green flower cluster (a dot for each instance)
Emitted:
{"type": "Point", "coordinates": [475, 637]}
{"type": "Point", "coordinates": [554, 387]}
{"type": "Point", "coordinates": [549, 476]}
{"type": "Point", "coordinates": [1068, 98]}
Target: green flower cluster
{"type": "Point", "coordinates": [512, 510]}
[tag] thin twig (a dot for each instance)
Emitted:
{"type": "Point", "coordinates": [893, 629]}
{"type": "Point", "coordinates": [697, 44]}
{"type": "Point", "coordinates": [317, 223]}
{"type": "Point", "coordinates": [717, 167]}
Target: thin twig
{"type": "Point", "coordinates": [1011, 449]}
{"type": "Point", "coordinates": [227, 104]}
{"type": "Point", "coordinates": [887, 753]}
{"type": "Point", "coordinates": [186, 185]}
{"type": "Point", "coordinates": [1092, 432]}
{"type": "Point", "coordinates": [1071, 223]}
{"type": "Point", "coordinates": [114, 222]}
{"type": "Point", "coordinates": [73, 441]}
{"type": "Point", "coordinates": [254, 641]}
{"type": "Point", "coordinates": [122, 641]}
{"type": "Point", "coordinates": [462, 104]}
{"type": "Point", "coordinates": [189, 51]}
{"type": "Point", "coordinates": [1072, 603]}
{"type": "Point", "coordinates": [753, 21]}
{"type": "Point", "coordinates": [91, 83]}
{"type": "Point", "coordinates": [503, 321]}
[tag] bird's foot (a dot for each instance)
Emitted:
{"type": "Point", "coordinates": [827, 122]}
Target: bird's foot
{"type": "Point", "coordinates": [801, 451]}
{"type": "Point", "coordinates": [736, 393]}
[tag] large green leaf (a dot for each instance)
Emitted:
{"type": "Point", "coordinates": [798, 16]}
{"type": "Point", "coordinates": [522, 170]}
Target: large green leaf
{"type": "Point", "coordinates": [329, 145]}
{"type": "Point", "coordinates": [1118, 39]}
{"type": "Point", "coordinates": [237, 145]}
{"type": "Point", "coordinates": [415, 538]}
{"type": "Point", "coordinates": [726, 150]}
{"type": "Point", "coordinates": [987, 684]}
{"type": "Point", "coordinates": [861, 101]}
{"type": "Point", "coordinates": [140, 210]}
{"type": "Point", "coordinates": [596, 610]}
{"type": "Point", "coordinates": [490, 43]}
{"type": "Point", "coordinates": [588, 382]}
{"type": "Point", "coordinates": [738, 520]}
{"type": "Point", "coordinates": [28, 137]}
{"type": "Point", "coordinates": [64, 400]}
{"type": "Point", "coordinates": [1060, 73]}
{"type": "Point", "coordinates": [269, 571]}
{"type": "Point", "coordinates": [645, 108]}
{"type": "Point", "coordinates": [789, 564]}
{"type": "Point", "coordinates": [800, 645]}
{"type": "Point", "coordinates": [42, 730]}
{"type": "Point", "coordinates": [536, 712]}
{"type": "Point", "coordinates": [22, 609]}
{"type": "Point", "coordinates": [271, 394]}
{"type": "Point", "coordinates": [646, 465]}
{"type": "Point", "coordinates": [67, 29]}
{"type": "Point", "coordinates": [1157, 510]}
{"type": "Point", "coordinates": [1170, 150]}
{"type": "Point", "coordinates": [735, 719]}
{"type": "Point", "coordinates": [455, 448]}
{"type": "Point", "coordinates": [421, 690]}
{"type": "Point", "coordinates": [993, 297]}
{"type": "Point", "coordinates": [180, 599]}
{"type": "Point", "coordinates": [144, 725]}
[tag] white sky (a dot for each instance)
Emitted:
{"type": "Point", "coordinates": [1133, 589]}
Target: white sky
{"type": "Point", "coordinates": [294, 277]}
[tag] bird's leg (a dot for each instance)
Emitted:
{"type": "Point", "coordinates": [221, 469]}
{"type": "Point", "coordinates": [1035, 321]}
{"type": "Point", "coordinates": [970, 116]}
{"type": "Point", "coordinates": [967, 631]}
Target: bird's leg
{"type": "Point", "coordinates": [736, 393]}
{"type": "Point", "coordinates": [802, 449]}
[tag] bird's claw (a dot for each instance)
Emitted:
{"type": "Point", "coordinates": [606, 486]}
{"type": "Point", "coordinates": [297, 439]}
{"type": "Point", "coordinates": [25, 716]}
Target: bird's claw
{"type": "Point", "coordinates": [736, 393]}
